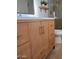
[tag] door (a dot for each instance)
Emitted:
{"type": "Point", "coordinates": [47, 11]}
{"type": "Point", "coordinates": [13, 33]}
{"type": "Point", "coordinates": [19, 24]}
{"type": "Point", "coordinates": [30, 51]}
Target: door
{"type": "Point", "coordinates": [44, 40]}
{"type": "Point", "coordinates": [35, 38]}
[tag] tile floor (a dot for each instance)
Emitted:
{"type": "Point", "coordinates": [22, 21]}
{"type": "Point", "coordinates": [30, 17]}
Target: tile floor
{"type": "Point", "coordinates": [57, 52]}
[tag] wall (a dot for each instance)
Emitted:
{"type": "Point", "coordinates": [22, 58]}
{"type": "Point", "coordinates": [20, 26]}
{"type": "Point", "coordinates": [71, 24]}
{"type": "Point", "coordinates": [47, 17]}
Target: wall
{"type": "Point", "coordinates": [58, 12]}
{"type": "Point", "coordinates": [58, 9]}
{"type": "Point", "coordinates": [50, 12]}
{"type": "Point", "coordinates": [58, 23]}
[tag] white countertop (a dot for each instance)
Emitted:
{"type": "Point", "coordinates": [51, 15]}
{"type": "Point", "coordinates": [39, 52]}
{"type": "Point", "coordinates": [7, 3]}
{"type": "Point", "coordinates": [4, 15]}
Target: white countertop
{"type": "Point", "coordinates": [31, 17]}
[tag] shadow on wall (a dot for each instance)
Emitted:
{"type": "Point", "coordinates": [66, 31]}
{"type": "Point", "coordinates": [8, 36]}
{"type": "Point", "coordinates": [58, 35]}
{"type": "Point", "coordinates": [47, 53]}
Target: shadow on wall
{"type": "Point", "coordinates": [58, 24]}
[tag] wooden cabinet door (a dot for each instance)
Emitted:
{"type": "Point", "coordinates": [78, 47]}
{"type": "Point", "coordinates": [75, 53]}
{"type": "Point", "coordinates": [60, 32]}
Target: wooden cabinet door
{"type": "Point", "coordinates": [51, 34]}
{"type": "Point", "coordinates": [44, 40]}
{"type": "Point", "coordinates": [24, 52]}
{"type": "Point", "coordinates": [22, 33]}
{"type": "Point", "coordinates": [35, 38]}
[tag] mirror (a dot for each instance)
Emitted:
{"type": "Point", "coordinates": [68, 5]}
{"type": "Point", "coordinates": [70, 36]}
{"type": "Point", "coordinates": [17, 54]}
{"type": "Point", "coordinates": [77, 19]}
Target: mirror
{"type": "Point", "coordinates": [25, 6]}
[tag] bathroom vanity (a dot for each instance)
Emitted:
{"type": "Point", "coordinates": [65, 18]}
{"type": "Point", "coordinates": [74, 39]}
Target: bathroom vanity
{"type": "Point", "coordinates": [35, 37]}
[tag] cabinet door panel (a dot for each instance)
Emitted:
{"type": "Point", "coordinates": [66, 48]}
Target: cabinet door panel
{"type": "Point", "coordinates": [35, 38]}
{"type": "Point", "coordinates": [44, 40]}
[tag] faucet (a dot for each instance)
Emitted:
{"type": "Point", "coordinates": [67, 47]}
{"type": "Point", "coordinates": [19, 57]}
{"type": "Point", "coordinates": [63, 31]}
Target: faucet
{"type": "Point", "coordinates": [19, 13]}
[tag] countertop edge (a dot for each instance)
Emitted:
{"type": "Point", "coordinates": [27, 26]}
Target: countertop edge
{"type": "Point", "coordinates": [30, 20]}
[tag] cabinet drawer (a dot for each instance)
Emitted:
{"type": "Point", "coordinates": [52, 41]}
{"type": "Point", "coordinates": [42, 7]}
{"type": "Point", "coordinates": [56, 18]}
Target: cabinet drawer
{"type": "Point", "coordinates": [24, 51]}
{"type": "Point", "coordinates": [22, 39]}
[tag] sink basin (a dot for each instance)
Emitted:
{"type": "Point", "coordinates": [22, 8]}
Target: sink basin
{"type": "Point", "coordinates": [30, 16]}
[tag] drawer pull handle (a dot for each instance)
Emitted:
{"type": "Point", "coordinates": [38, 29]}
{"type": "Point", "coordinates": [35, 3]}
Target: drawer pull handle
{"type": "Point", "coordinates": [41, 30]}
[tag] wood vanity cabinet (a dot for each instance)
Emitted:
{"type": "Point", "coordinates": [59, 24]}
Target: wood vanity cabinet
{"type": "Point", "coordinates": [35, 38]}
